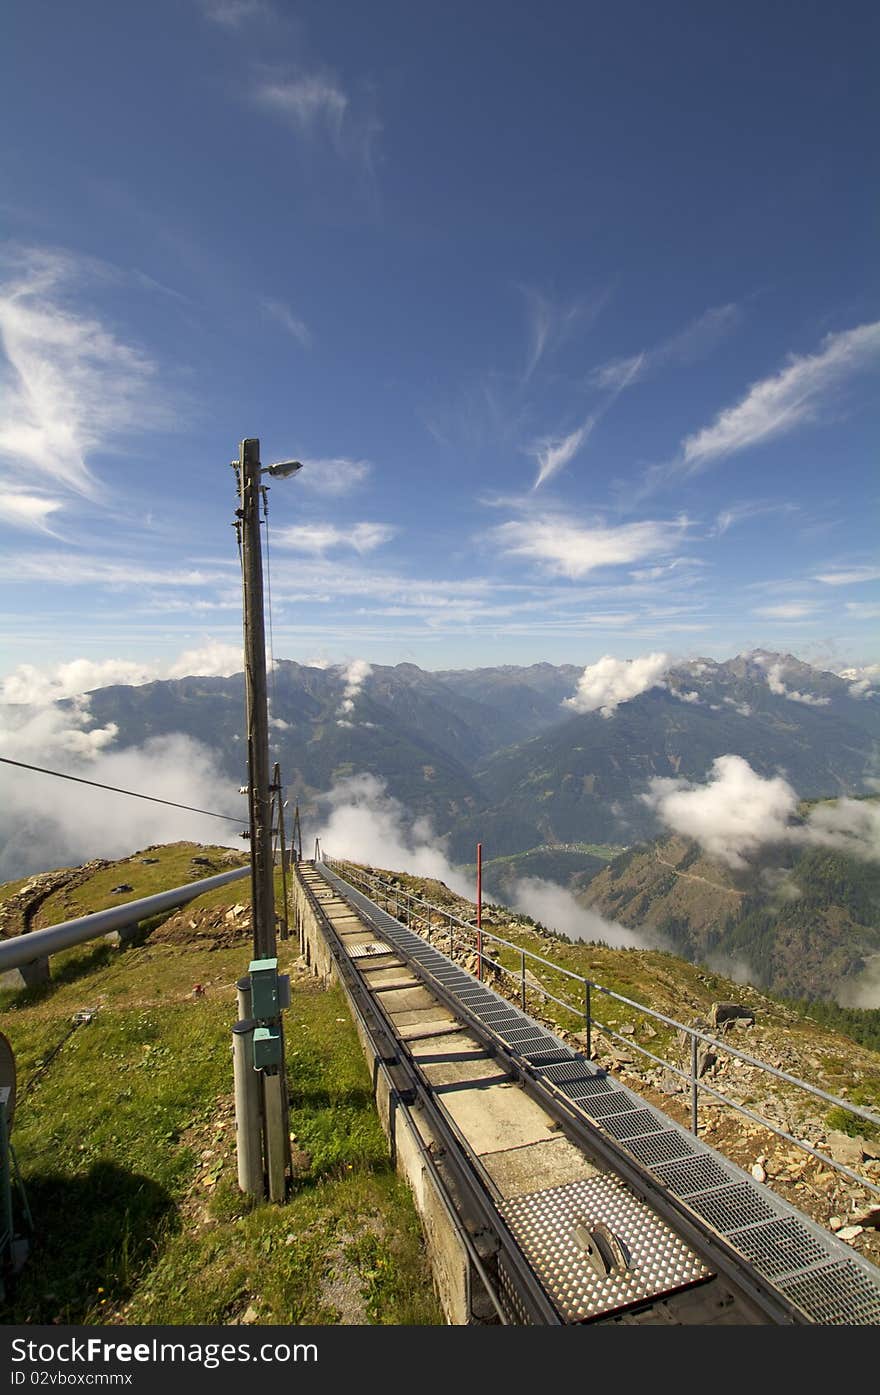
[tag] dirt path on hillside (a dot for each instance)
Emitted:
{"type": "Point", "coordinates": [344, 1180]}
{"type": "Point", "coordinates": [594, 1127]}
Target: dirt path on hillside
{"type": "Point", "coordinates": [695, 877]}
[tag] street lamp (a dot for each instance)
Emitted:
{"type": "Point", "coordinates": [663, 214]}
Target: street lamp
{"type": "Point", "coordinates": [249, 470]}
{"type": "Point", "coordinates": [258, 1038]}
{"type": "Point", "coordinates": [282, 469]}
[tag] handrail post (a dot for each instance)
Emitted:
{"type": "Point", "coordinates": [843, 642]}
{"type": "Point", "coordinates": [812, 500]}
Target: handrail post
{"type": "Point", "coordinates": [522, 978]}
{"type": "Point", "coordinates": [694, 1086]}
{"type": "Point", "coordinates": [588, 1019]}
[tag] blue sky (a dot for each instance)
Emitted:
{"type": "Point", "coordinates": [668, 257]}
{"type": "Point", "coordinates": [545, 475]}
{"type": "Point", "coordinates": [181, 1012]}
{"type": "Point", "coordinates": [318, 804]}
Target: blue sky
{"type": "Point", "coordinates": [571, 312]}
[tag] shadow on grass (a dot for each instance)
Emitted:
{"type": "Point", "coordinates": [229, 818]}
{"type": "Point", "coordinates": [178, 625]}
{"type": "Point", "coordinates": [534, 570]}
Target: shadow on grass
{"type": "Point", "coordinates": [98, 957]}
{"type": "Point", "coordinates": [93, 1234]}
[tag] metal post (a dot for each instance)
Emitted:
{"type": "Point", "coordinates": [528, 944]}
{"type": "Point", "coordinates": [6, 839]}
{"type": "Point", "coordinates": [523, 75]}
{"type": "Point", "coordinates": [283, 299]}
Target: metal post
{"type": "Point", "coordinates": [248, 1110]}
{"type": "Point", "coordinates": [256, 710]}
{"type": "Point", "coordinates": [451, 937]}
{"type": "Point", "coordinates": [588, 1018]}
{"type": "Point", "coordinates": [522, 979]}
{"type": "Point", "coordinates": [694, 1085]}
{"type": "Point", "coordinates": [480, 912]}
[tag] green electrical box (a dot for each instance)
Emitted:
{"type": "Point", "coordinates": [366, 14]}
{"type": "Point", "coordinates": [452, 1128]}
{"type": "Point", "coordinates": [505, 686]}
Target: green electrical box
{"type": "Point", "coordinates": [267, 1047]}
{"type": "Point", "coordinates": [265, 1001]}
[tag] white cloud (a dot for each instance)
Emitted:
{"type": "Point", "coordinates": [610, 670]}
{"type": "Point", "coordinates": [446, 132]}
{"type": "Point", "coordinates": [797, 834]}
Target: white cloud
{"type": "Point", "coordinates": [848, 576]}
{"type": "Point", "coordinates": [556, 907]}
{"type": "Point", "coordinates": [777, 405]}
{"type": "Point", "coordinates": [796, 610]}
{"type": "Point", "coordinates": [737, 812]}
{"type": "Point", "coordinates": [320, 537]}
{"type": "Point", "coordinates": [29, 511]}
{"type": "Point", "coordinates": [566, 549]}
{"type": "Point", "coordinates": [40, 730]}
{"type": "Point", "coordinates": [686, 696]}
{"type": "Point", "coordinates": [603, 686]}
{"type": "Point", "coordinates": [863, 682]}
{"type": "Point", "coordinates": [333, 476]}
{"type": "Point", "coordinates": [68, 386]}
{"type": "Point", "coordinates": [776, 685]}
{"type": "Point", "coordinates": [742, 708]}
{"type": "Point", "coordinates": [553, 455]}
{"type": "Point", "coordinates": [45, 822]}
{"type": "Point", "coordinates": [355, 674]}
{"type": "Point", "coordinates": [32, 686]}
{"type": "Point", "coordinates": [366, 824]}
{"type": "Point", "coordinates": [69, 569]}
{"type": "Point", "coordinates": [849, 826]}
{"type": "Point", "coordinates": [732, 815]}
{"type": "Point", "coordinates": [213, 660]}
{"type": "Point", "coordinates": [865, 610]}
{"type": "Point", "coordinates": [278, 311]}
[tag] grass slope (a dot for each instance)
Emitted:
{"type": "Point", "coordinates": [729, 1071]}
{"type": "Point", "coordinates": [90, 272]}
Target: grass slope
{"type": "Point", "coordinates": [125, 1139]}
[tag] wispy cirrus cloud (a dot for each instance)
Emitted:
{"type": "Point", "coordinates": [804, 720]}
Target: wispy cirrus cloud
{"type": "Point", "coordinates": [321, 537]}
{"type": "Point", "coordinates": [695, 340]}
{"type": "Point", "coordinates": [68, 385]}
{"type": "Point", "coordinates": [796, 610]}
{"type": "Point", "coordinates": [232, 14]}
{"type": "Point", "coordinates": [848, 576]}
{"type": "Point", "coordinates": [550, 322]}
{"type": "Point", "coordinates": [554, 454]}
{"type": "Point", "coordinates": [741, 513]}
{"type": "Point", "coordinates": [313, 102]}
{"type": "Point", "coordinates": [71, 569]}
{"type": "Point", "coordinates": [284, 316]}
{"type": "Point", "coordinates": [318, 108]}
{"type": "Point", "coordinates": [777, 405]}
{"type": "Point", "coordinates": [564, 548]}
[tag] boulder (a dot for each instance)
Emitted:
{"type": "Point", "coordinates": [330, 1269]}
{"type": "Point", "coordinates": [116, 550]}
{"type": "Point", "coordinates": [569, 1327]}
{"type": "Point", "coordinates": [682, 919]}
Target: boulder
{"type": "Point", "coordinates": [729, 1012]}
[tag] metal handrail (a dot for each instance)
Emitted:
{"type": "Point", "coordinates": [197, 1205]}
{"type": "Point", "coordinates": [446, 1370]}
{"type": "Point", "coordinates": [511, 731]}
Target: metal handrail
{"type": "Point", "coordinates": [584, 1010]}
{"type": "Point", "coordinates": [35, 945]}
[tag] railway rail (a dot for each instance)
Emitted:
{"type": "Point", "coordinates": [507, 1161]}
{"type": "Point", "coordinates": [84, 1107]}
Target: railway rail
{"type": "Point", "coordinates": [641, 1222]}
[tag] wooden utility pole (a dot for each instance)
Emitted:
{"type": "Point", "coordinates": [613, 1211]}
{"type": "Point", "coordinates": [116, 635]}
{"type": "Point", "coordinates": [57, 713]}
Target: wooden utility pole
{"type": "Point", "coordinates": [256, 710]}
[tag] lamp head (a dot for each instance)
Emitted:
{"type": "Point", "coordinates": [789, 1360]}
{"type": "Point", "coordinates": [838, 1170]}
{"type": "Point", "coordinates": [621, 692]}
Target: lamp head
{"type": "Point", "coordinates": [283, 469]}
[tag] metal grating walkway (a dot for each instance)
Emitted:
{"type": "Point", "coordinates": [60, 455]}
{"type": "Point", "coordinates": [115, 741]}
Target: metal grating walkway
{"type": "Point", "coordinates": [830, 1283]}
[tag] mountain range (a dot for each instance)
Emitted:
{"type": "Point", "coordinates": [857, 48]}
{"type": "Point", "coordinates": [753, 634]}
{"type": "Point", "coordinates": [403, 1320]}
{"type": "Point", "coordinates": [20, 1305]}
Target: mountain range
{"type": "Point", "coordinates": [496, 755]}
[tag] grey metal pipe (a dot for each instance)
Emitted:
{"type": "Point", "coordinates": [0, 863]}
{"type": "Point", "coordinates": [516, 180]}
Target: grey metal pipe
{"type": "Point", "coordinates": [39, 944]}
{"type": "Point", "coordinates": [248, 1110]}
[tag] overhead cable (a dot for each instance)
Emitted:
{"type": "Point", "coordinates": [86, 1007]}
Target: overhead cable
{"type": "Point", "coordinates": [135, 794]}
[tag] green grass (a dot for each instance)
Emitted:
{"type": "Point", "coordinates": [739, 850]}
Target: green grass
{"type": "Point", "coordinates": [125, 1140]}
{"type": "Point", "coordinates": [173, 867]}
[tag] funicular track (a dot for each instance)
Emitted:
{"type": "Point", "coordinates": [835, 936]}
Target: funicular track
{"type": "Point", "coordinates": [641, 1222]}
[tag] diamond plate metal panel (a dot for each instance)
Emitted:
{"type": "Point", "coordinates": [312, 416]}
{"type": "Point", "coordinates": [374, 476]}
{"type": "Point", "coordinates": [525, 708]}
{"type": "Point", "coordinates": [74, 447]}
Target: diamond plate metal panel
{"type": "Point", "coordinates": [543, 1224]}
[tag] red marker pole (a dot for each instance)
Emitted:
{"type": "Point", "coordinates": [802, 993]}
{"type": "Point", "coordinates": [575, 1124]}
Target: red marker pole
{"type": "Point", "coordinates": [480, 912]}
